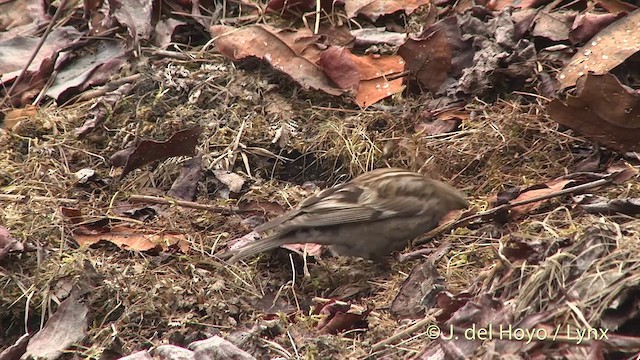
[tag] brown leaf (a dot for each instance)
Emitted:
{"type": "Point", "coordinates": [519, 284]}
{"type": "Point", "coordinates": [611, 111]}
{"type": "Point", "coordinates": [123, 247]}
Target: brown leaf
{"type": "Point", "coordinates": [616, 6]}
{"type": "Point", "coordinates": [21, 17]}
{"type": "Point", "coordinates": [517, 4]}
{"type": "Point", "coordinates": [67, 326]}
{"type": "Point", "coordinates": [102, 109]}
{"type": "Point", "coordinates": [8, 243]}
{"type": "Point", "coordinates": [603, 110]}
{"type": "Point", "coordinates": [16, 51]}
{"type": "Point", "coordinates": [629, 207]}
{"type": "Point", "coordinates": [549, 188]}
{"type": "Point", "coordinates": [520, 249]}
{"type": "Point", "coordinates": [182, 143]}
{"type": "Point", "coordinates": [479, 313]}
{"type": "Point", "coordinates": [438, 53]}
{"type": "Point", "coordinates": [293, 53]}
{"type": "Point", "coordinates": [339, 317]}
{"type": "Point", "coordinates": [589, 24]}
{"type": "Point", "coordinates": [610, 48]}
{"type": "Point", "coordinates": [621, 172]}
{"type": "Point", "coordinates": [186, 184]}
{"type": "Point", "coordinates": [132, 239]}
{"type": "Point", "coordinates": [14, 116]}
{"type": "Point", "coordinates": [373, 9]}
{"type": "Point", "coordinates": [366, 76]}
{"type": "Point", "coordinates": [15, 351]}
{"type": "Point", "coordinates": [589, 163]}
{"type": "Point", "coordinates": [554, 26]}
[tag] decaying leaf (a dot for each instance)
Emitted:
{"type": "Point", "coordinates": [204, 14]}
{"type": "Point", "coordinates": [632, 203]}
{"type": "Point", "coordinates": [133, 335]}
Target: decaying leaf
{"type": "Point", "coordinates": [67, 326]}
{"type": "Point", "coordinates": [606, 50]}
{"type": "Point", "coordinates": [186, 184]}
{"type": "Point", "coordinates": [365, 76]}
{"type": "Point", "coordinates": [340, 316]}
{"type": "Point", "coordinates": [603, 110]}
{"type": "Point", "coordinates": [373, 9]}
{"type": "Point", "coordinates": [132, 239]}
{"type": "Point", "coordinates": [182, 143]}
{"type": "Point", "coordinates": [293, 53]}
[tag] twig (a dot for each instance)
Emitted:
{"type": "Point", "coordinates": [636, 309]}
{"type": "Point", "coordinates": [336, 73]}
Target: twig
{"type": "Point", "coordinates": [429, 319]}
{"type": "Point", "coordinates": [190, 204]}
{"type": "Point", "coordinates": [112, 85]}
{"type": "Point", "coordinates": [316, 26]}
{"type": "Point", "coordinates": [25, 198]}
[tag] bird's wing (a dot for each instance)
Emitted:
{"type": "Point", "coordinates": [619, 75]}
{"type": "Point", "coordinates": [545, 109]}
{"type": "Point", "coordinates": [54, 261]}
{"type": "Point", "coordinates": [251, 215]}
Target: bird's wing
{"type": "Point", "coordinates": [351, 204]}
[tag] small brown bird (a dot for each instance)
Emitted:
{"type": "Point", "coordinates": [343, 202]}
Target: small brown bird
{"type": "Point", "coordinates": [370, 216]}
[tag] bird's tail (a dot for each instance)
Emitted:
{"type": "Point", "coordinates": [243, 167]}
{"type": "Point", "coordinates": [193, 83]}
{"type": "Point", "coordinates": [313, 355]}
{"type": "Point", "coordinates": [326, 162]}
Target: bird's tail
{"type": "Point", "coordinates": [268, 243]}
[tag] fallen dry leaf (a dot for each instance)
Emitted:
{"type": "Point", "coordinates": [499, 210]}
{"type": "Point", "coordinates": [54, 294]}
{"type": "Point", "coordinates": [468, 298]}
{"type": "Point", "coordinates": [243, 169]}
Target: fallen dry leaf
{"type": "Point", "coordinates": [517, 4]}
{"type": "Point", "coordinates": [608, 49]}
{"type": "Point", "coordinates": [16, 51]}
{"type": "Point", "coordinates": [554, 26]}
{"type": "Point", "coordinates": [533, 192]}
{"type": "Point", "coordinates": [186, 184]}
{"type": "Point", "coordinates": [340, 316]}
{"type": "Point", "coordinates": [293, 53]}
{"type": "Point", "coordinates": [95, 68]}
{"type": "Point", "coordinates": [587, 25]}
{"type": "Point", "coordinates": [366, 76]}
{"type": "Point", "coordinates": [616, 6]}
{"type": "Point", "coordinates": [419, 290]}
{"type": "Point", "coordinates": [373, 9]}
{"type": "Point", "coordinates": [14, 116]}
{"type": "Point", "coordinates": [182, 143]}
{"type": "Point", "coordinates": [430, 56]}
{"type": "Point", "coordinates": [603, 110]}
{"type": "Point", "coordinates": [132, 239]}
{"type": "Point", "coordinates": [67, 326]}
{"type": "Point", "coordinates": [102, 109]}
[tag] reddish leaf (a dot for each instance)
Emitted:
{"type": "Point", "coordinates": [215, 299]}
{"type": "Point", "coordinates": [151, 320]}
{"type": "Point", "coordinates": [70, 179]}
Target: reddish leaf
{"type": "Point", "coordinates": [293, 53]}
{"type": "Point", "coordinates": [373, 9]}
{"type": "Point", "coordinates": [364, 75]}
{"type": "Point", "coordinates": [603, 110]}
{"type": "Point", "coordinates": [341, 317]}
{"type": "Point", "coordinates": [589, 24]}
{"type": "Point", "coordinates": [182, 143]}
{"type": "Point", "coordinates": [16, 51]}
{"type": "Point", "coordinates": [549, 188]}
{"type": "Point", "coordinates": [610, 48]}
{"type": "Point", "coordinates": [132, 239]}
{"type": "Point", "coordinates": [431, 55]}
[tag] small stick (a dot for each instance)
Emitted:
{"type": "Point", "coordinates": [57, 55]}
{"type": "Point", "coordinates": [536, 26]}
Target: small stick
{"type": "Point", "coordinates": [190, 204]}
{"type": "Point", "coordinates": [429, 319]}
{"type": "Point", "coordinates": [23, 198]}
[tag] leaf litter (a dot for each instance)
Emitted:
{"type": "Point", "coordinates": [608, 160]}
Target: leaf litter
{"type": "Point", "coordinates": [261, 139]}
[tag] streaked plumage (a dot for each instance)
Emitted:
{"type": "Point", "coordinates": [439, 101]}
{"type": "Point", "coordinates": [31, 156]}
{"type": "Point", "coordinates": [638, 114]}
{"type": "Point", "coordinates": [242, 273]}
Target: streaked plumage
{"type": "Point", "coordinates": [370, 216]}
